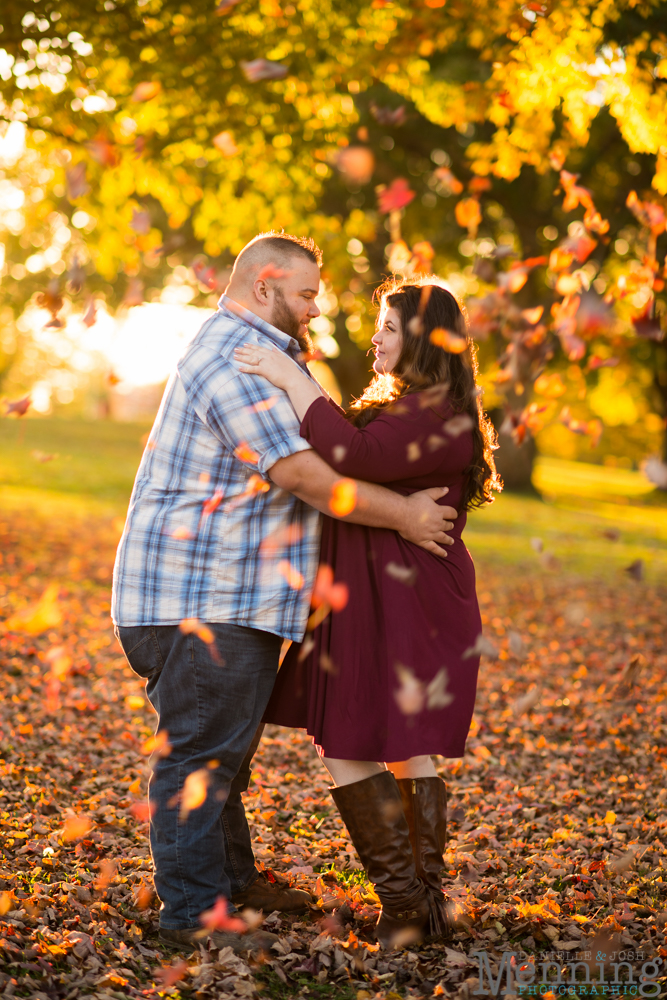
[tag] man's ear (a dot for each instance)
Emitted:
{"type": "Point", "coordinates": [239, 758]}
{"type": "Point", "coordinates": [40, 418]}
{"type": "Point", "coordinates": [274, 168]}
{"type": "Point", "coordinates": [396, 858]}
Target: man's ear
{"type": "Point", "coordinates": [262, 292]}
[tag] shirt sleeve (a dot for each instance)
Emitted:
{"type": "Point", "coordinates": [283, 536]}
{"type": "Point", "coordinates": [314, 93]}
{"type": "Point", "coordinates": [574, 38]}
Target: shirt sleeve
{"type": "Point", "coordinates": [403, 442]}
{"type": "Point", "coordinates": [251, 417]}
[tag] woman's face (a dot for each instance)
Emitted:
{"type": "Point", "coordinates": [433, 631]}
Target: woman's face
{"type": "Point", "coordinates": [388, 341]}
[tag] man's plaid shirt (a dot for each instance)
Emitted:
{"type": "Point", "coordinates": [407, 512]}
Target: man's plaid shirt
{"type": "Point", "coordinates": [215, 437]}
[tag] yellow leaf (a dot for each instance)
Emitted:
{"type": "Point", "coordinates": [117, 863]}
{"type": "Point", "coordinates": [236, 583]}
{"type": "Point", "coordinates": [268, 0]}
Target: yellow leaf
{"type": "Point", "coordinates": [6, 903]}
{"type": "Point", "coordinates": [38, 617]}
{"type": "Point", "coordinates": [610, 818]}
{"type": "Point", "coordinates": [134, 701]}
{"type": "Point", "coordinates": [76, 827]}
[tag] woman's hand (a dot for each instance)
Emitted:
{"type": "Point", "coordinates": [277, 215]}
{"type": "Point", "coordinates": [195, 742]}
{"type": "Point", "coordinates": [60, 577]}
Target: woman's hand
{"type": "Point", "coordinates": [284, 373]}
{"type": "Point", "coordinates": [275, 366]}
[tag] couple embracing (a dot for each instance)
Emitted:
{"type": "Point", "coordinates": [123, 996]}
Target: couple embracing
{"type": "Point", "coordinates": [244, 456]}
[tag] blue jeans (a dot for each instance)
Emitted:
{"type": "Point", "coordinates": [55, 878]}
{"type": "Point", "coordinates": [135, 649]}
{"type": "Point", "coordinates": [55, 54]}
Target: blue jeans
{"type": "Point", "coordinates": [211, 713]}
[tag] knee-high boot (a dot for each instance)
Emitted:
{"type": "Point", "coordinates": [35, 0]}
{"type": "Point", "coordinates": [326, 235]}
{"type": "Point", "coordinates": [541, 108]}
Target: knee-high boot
{"type": "Point", "coordinates": [425, 807]}
{"type": "Point", "coordinates": [373, 814]}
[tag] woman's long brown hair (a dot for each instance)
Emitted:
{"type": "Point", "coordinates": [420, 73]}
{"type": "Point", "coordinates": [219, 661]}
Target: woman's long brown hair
{"type": "Point", "coordinates": [424, 307]}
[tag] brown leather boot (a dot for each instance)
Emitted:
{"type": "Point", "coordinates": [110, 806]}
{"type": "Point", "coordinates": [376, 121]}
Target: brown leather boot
{"type": "Point", "coordinates": [372, 812]}
{"type": "Point", "coordinates": [425, 807]}
{"type": "Point", "coordinates": [271, 892]}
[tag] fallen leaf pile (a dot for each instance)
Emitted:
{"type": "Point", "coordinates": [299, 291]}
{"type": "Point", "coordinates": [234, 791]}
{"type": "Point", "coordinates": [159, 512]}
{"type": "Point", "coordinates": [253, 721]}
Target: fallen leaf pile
{"type": "Point", "coordinates": [557, 813]}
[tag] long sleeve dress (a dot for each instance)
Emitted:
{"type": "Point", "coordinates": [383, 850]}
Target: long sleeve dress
{"type": "Point", "coordinates": [386, 678]}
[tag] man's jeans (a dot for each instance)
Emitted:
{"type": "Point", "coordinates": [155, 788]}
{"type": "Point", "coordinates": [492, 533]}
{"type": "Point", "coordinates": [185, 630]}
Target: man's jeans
{"type": "Point", "coordinates": [211, 713]}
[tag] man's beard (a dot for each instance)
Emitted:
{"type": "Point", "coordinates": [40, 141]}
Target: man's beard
{"type": "Point", "coordinates": [284, 319]}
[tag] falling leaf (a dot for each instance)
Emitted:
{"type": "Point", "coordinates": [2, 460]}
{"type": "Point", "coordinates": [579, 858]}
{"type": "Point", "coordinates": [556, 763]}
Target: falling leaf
{"type": "Point", "coordinates": [413, 451]}
{"type": "Point", "coordinates": [254, 486]}
{"type": "Point", "coordinates": [551, 386]}
{"type": "Point", "coordinates": [20, 406]}
{"type": "Point", "coordinates": [218, 919]}
{"type": "Point", "coordinates": [447, 340]}
{"type": "Point", "coordinates": [468, 214]}
{"type": "Point", "coordinates": [390, 117]}
{"type": "Point", "coordinates": [447, 181]}
{"type": "Point", "coordinates": [134, 294]}
{"type": "Point", "coordinates": [356, 164]}
{"type": "Point", "coordinates": [411, 695]}
{"type": "Point", "coordinates": [245, 453]}
{"type": "Point", "coordinates": [212, 503]}
{"type": "Point", "coordinates": [224, 142]}
{"type": "Point", "coordinates": [396, 196]}
{"type": "Point", "coordinates": [42, 456]}
{"type": "Point", "coordinates": [516, 645]}
{"type": "Point", "coordinates": [192, 626]}
{"type": "Point", "coordinates": [270, 271]}
{"type": "Point", "coordinates": [143, 811]}
{"type": "Point", "coordinates": [76, 827]}
{"type": "Point", "coordinates": [343, 497]}
{"type": "Point", "coordinates": [75, 179]}
{"type": "Point", "coordinates": [404, 574]}
{"type": "Point", "coordinates": [482, 647]}
{"type": "Point", "coordinates": [90, 316]}
{"type": "Point", "coordinates": [38, 617]}
{"type": "Point", "coordinates": [263, 405]}
{"type": "Point", "coordinates": [6, 902]}
{"type": "Point", "coordinates": [280, 539]}
{"type": "Point", "coordinates": [157, 744]}
{"type": "Point", "coordinates": [146, 91]}
{"type": "Point", "coordinates": [102, 151]}
{"type": "Point", "coordinates": [648, 326]}
{"type": "Point", "coordinates": [181, 533]}
{"type": "Point", "coordinates": [292, 576]}
{"type": "Point", "coordinates": [263, 69]}
{"type": "Point", "coordinates": [422, 256]}
{"type": "Point", "coordinates": [325, 591]}
{"type": "Point", "coordinates": [141, 221]}
{"type": "Point", "coordinates": [168, 975]}
{"type": "Point", "coordinates": [459, 425]}
{"type": "Point", "coordinates": [338, 453]}
{"type": "Point", "coordinates": [655, 471]}
{"type": "Point", "coordinates": [636, 570]}
{"type": "Point", "coordinates": [194, 792]}
{"type": "Point", "coordinates": [107, 872]}
{"type": "Point", "coordinates": [526, 701]}
{"type": "Point", "coordinates": [437, 695]}
{"type": "Point", "coordinates": [225, 5]}
{"type": "Point", "coordinates": [595, 362]}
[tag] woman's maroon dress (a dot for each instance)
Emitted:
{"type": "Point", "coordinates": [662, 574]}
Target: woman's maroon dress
{"type": "Point", "coordinates": [387, 678]}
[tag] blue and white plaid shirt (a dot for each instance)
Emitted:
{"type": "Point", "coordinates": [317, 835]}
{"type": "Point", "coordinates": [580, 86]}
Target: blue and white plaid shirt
{"type": "Point", "coordinates": [219, 431]}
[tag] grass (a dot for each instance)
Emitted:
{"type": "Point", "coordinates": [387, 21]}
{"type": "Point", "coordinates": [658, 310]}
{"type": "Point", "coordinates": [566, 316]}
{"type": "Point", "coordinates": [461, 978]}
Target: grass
{"type": "Point", "coordinates": [95, 463]}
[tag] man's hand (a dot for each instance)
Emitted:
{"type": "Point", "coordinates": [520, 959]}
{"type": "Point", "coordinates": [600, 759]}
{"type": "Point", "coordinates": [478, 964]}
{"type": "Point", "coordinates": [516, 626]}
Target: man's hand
{"type": "Point", "coordinates": [426, 521]}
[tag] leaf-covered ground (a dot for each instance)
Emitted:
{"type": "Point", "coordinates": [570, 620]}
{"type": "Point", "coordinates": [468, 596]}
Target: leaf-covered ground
{"type": "Point", "coordinates": [558, 812]}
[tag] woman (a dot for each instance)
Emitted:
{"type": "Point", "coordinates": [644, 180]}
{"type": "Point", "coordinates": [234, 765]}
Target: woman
{"type": "Point", "coordinates": [391, 678]}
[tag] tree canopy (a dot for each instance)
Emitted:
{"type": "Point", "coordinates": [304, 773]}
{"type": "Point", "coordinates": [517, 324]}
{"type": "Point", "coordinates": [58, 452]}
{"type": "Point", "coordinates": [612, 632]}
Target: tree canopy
{"type": "Point", "coordinates": [145, 138]}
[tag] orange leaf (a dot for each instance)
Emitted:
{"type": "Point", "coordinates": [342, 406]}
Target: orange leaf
{"type": "Point", "coordinates": [218, 920]}
{"type": "Point", "coordinates": [211, 504]}
{"type": "Point", "coordinates": [343, 497]}
{"type": "Point", "coordinates": [146, 91]}
{"type": "Point", "coordinates": [158, 744]}
{"type": "Point", "coordinates": [468, 214]}
{"type": "Point", "coordinates": [76, 827]}
{"type": "Point", "coordinates": [325, 591]}
{"type": "Point", "coordinates": [292, 575]}
{"type": "Point", "coordinates": [448, 341]}
{"type": "Point", "coordinates": [245, 453]}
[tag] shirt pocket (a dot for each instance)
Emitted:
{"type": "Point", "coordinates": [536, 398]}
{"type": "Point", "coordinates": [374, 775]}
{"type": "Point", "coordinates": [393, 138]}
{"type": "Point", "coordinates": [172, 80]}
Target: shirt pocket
{"type": "Point", "coordinates": [141, 648]}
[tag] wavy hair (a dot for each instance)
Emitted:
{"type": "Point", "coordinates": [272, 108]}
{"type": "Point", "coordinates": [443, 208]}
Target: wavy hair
{"type": "Point", "coordinates": [425, 306]}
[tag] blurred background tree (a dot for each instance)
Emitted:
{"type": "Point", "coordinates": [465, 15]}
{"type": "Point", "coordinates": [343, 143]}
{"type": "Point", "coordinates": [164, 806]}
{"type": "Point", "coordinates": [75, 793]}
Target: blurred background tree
{"type": "Point", "coordinates": [146, 142]}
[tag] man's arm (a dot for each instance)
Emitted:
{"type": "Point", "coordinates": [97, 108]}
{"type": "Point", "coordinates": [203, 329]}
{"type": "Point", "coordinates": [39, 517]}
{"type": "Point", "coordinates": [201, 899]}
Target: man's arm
{"type": "Point", "coordinates": [417, 518]}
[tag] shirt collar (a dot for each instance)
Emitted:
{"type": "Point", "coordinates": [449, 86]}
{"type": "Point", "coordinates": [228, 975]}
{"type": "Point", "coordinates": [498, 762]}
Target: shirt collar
{"type": "Point", "coordinates": [283, 340]}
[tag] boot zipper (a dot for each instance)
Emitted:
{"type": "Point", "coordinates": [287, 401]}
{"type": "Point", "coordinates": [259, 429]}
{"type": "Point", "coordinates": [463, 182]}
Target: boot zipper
{"type": "Point", "coordinates": [415, 814]}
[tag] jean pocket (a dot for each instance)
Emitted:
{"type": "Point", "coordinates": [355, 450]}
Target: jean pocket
{"type": "Point", "coordinates": [141, 648]}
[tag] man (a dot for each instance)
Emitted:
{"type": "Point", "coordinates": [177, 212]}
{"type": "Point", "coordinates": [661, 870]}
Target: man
{"type": "Point", "coordinates": [225, 488]}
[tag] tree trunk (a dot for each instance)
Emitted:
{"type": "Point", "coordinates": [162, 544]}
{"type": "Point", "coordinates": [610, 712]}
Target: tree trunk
{"type": "Point", "coordinates": [514, 462]}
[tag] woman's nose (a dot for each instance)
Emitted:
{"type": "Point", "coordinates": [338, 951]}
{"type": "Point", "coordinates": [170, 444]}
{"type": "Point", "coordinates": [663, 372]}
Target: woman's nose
{"type": "Point", "coordinates": [376, 338]}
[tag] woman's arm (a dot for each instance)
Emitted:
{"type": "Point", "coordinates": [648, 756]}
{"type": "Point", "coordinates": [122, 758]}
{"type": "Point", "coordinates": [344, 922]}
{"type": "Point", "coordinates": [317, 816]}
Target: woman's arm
{"type": "Point", "coordinates": [404, 441]}
{"type": "Point", "coordinates": [284, 373]}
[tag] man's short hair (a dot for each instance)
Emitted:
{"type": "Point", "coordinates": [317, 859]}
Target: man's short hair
{"type": "Point", "coordinates": [277, 248]}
